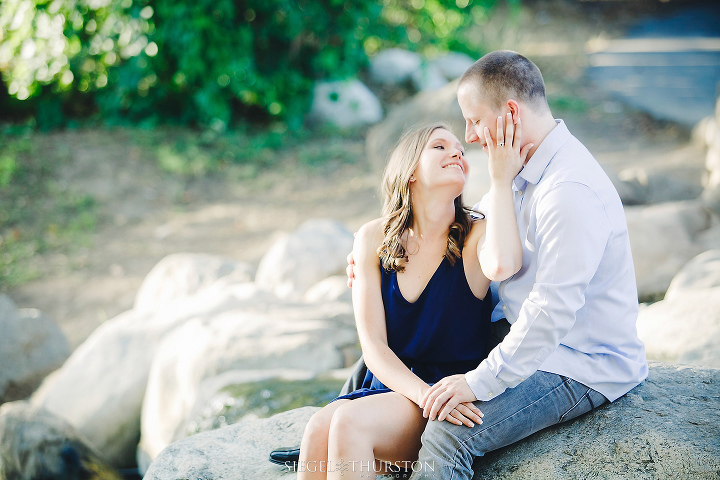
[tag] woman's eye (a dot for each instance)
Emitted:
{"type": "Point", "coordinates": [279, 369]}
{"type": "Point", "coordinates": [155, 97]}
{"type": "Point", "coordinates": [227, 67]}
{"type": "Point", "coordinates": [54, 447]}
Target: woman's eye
{"type": "Point", "coordinates": [440, 147]}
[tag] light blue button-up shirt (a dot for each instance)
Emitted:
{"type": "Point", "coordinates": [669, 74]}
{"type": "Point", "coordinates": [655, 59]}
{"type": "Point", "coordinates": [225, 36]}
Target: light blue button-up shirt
{"type": "Point", "coordinates": [573, 303]}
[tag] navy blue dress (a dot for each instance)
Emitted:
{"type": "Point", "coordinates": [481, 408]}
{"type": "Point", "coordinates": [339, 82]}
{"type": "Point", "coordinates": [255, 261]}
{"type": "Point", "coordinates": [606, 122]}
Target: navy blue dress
{"type": "Point", "coordinates": [444, 332]}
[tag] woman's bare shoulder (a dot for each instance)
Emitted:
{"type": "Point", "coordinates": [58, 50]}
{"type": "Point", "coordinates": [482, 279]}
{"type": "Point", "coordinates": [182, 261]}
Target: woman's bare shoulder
{"type": "Point", "coordinates": [370, 236]}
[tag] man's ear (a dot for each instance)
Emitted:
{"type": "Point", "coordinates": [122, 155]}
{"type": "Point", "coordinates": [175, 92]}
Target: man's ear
{"type": "Point", "coordinates": [514, 108]}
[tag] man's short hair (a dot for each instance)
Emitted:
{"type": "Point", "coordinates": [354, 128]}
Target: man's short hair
{"type": "Point", "coordinates": [503, 75]}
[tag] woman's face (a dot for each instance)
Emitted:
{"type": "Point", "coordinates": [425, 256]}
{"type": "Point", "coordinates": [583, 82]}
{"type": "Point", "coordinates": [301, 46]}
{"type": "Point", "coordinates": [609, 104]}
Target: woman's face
{"type": "Point", "coordinates": [442, 162]}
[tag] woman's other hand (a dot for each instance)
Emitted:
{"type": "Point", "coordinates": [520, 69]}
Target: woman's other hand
{"type": "Point", "coordinates": [446, 396]}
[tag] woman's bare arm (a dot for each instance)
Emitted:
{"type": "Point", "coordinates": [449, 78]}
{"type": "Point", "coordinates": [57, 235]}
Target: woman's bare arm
{"type": "Point", "coordinates": [370, 317]}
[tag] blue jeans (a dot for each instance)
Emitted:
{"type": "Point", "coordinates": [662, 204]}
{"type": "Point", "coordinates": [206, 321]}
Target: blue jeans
{"type": "Point", "coordinates": [541, 400]}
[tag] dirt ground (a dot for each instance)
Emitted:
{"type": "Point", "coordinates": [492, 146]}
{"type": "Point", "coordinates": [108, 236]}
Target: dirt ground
{"type": "Point", "coordinates": [152, 214]}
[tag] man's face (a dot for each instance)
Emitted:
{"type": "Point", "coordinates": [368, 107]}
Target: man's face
{"type": "Point", "coordinates": [478, 114]}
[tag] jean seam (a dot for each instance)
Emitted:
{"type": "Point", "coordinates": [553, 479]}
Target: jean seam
{"type": "Point", "coordinates": [584, 395]}
{"type": "Point", "coordinates": [566, 380]}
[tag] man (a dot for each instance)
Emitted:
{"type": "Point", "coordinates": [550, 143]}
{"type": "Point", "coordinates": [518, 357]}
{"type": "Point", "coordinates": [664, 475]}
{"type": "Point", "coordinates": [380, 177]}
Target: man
{"type": "Point", "coordinates": [572, 307]}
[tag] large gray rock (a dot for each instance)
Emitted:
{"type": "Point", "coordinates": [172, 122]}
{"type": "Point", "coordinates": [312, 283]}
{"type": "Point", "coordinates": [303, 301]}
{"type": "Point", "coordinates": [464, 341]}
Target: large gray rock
{"type": "Point", "coordinates": [100, 389]}
{"type": "Point", "coordinates": [665, 428]}
{"type": "Point", "coordinates": [296, 261]}
{"type": "Point", "coordinates": [31, 346]}
{"type": "Point", "coordinates": [701, 272]}
{"type": "Point", "coordinates": [394, 66]}
{"type": "Point", "coordinates": [684, 328]}
{"type": "Point", "coordinates": [309, 337]}
{"type": "Point", "coordinates": [183, 274]}
{"type": "Point", "coordinates": [647, 186]}
{"type": "Point", "coordinates": [662, 238]}
{"type": "Point", "coordinates": [345, 104]}
{"type": "Point", "coordinates": [236, 452]}
{"type": "Point", "coordinates": [332, 289]}
{"type": "Point", "coordinates": [35, 444]}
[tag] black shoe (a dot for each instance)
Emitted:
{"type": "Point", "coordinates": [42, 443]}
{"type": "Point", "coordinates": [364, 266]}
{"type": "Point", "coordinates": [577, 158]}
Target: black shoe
{"type": "Point", "coordinates": [286, 456]}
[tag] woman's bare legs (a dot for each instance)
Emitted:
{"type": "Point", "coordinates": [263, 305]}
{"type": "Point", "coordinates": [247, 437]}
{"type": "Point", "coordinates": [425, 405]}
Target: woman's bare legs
{"type": "Point", "coordinates": [312, 464]}
{"type": "Point", "coordinates": [385, 426]}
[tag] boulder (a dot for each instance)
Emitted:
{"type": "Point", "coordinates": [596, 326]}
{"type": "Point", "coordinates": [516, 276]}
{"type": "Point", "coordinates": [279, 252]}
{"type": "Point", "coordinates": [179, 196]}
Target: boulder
{"type": "Point", "coordinates": [425, 107]}
{"type": "Point", "coordinates": [100, 389]}
{"type": "Point", "coordinates": [31, 346]}
{"type": "Point", "coordinates": [453, 64]}
{"type": "Point", "coordinates": [657, 185]}
{"type": "Point", "coordinates": [684, 328]}
{"type": "Point", "coordinates": [394, 66]}
{"type": "Point", "coordinates": [662, 240]}
{"type": "Point", "coordinates": [664, 428]}
{"type": "Point", "coordinates": [233, 396]}
{"type": "Point", "coordinates": [701, 272]}
{"type": "Point", "coordinates": [345, 104]}
{"type": "Point", "coordinates": [316, 338]}
{"type": "Point", "coordinates": [236, 452]}
{"type": "Point", "coordinates": [35, 444]}
{"type": "Point", "coordinates": [183, 274]}
{"type": "Point", "coordinates": [332, 289]}
{"type": "Point", "coordinates": [298, 260]}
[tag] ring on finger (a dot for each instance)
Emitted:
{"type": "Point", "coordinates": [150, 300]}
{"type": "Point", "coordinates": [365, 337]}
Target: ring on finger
{"type": "Point", "coordinates": [500, 144]}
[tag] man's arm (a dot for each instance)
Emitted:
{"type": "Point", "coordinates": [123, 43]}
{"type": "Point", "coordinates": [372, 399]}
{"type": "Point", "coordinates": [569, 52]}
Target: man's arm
{"type": "Point", "coordinates": [572, 232]}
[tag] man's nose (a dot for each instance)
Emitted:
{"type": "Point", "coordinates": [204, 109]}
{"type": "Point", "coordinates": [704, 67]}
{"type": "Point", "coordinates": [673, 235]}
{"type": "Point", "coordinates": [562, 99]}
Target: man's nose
{"type": "Point", "coordinates": [470, 135]}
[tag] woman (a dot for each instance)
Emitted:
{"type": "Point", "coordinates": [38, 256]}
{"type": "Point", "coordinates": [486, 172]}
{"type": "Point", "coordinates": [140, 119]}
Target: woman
{"type": "Point", "coordinates": [422, 276]}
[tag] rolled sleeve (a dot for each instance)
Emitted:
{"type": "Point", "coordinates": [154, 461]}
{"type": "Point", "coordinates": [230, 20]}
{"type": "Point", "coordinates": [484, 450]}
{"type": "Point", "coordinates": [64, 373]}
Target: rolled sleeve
{"type": "Point", "coordinates": [571, 233]}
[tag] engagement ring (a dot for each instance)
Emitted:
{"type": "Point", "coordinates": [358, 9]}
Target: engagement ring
{"type": "Point", "coordinates": [501, 144]}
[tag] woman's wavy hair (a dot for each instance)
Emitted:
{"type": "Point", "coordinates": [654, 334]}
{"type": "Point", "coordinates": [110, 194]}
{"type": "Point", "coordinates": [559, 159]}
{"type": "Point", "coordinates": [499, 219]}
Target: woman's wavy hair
{"type": "Point", "coordinates": [397, 206]}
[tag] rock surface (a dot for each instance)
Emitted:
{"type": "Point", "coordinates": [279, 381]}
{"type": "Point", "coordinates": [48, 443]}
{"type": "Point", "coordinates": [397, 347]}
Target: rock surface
{"type": "Point", "coordinates": [236, 452]}
{"type": "Point", "coordinates": [701, 272]}
{"type": "Point", "coordinates": [31, 346]}
{"type": "Point", "coordinates": [316, 338]}
{"type": "Point", "coordinates": [183, 274]}
{"type": "Point", "coordinates": [35, 444]}
{"type": "Point", "coordinates": [662, 238]}
{"type": "Point", "coordinates": [684, 328]}
{"type": "Point", "coordinates": [100, 389]}
{"type": "Point", "coordinates": [345, 104]}
{"type": "Point", "coordinates": [394, 66]}
{"type": "Point", "coordinates": [296, 261]}
{"type": "Point", "coordinates": [665, 428]}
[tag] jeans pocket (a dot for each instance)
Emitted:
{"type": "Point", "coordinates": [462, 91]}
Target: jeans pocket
{"type": "Point", "coordinates": [589, 401]}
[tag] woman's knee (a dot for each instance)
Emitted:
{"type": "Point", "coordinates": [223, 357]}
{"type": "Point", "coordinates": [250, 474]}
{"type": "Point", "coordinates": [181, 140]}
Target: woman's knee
{"type": "Point", "coordinates": [345, 424]}
{"type": "Point", "coordinates": [318, 427]}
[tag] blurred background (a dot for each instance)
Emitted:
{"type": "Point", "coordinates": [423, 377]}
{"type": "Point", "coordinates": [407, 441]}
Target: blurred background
{"type": "Point", "coordinates": [135, 129]}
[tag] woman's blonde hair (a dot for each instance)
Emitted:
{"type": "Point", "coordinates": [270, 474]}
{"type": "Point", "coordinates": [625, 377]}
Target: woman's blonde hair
{"type": "Point", "coordinates": [397, 206]}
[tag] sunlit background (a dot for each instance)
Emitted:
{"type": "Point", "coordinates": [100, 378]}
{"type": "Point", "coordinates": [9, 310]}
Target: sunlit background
{"type": "Point", "coordinates": [131, 130]}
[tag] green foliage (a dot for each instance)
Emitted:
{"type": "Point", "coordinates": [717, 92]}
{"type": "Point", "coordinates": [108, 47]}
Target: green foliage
{"type": "Point", "coordinates": [208, 62]}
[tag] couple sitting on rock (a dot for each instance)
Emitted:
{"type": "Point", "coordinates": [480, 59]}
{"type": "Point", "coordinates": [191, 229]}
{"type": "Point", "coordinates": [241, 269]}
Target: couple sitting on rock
{"type": "Point", "coordinates": [438, 391]}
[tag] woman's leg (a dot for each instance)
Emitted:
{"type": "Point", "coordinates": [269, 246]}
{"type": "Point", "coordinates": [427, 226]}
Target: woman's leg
{"type": "Point", "coordinates": [385, 426]}
{"type": "Point", "coordinates": [312, 464]}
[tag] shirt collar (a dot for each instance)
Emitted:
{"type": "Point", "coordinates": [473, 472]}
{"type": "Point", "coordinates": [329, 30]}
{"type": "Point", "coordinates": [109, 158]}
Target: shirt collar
{"type": "Point", "coordinates": [533, 170]}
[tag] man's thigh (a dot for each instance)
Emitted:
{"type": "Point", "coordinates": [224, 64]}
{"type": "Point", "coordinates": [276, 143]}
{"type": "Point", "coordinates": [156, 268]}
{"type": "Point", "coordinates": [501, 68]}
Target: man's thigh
{"type": "Point", "coordinates": [541, 400]}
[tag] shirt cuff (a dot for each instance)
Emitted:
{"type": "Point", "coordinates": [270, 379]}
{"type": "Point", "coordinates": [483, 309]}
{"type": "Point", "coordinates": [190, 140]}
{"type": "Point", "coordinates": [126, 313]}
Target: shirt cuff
{"type": "Point", "coordinates": [483, 383]}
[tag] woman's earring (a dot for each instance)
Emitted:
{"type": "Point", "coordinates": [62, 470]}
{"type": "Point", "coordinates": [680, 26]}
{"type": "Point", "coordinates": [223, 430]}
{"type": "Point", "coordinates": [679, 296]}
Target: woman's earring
{"type": "Point", "coordinates": [412, 179]}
